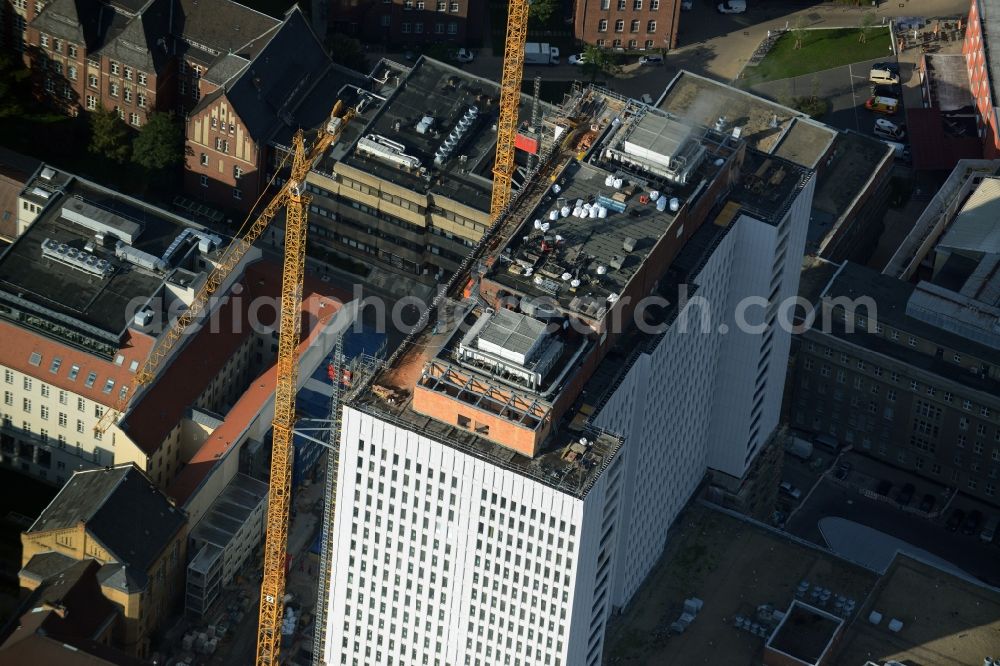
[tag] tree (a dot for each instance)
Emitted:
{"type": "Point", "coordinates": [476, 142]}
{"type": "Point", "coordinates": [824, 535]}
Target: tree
{"type": "Point", "coordinates": [541, 11]}
{"type": "Point", "coordinates": [348, 52]}
{"type": "Point", "coordinates": [109, 135]}
{"type": "Point", "coordinates": [160, 143]}
{"type": "Point", "coordinates": [598, 61]}
{"type": "Point", "coordinates": [867, 21]}
{"type": "Point", "coordinates": [11, 78]}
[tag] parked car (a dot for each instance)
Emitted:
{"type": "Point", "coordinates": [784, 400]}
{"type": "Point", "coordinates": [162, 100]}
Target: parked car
{"type": "Point", "coordinates": [883, 487]}
{"type": "Point", "coordinates": [891, 66]}
{"type": "Point", "coordinates": [886, 129]}
{"type": "Point", "coordinates": [972, 522]}
{"type": "Point", "coordinates": [732, 7]}
{"type": "Point", "coordinates": [927, 503]}
{"type": "Point", "coordinates": [882, 90]}
{"type": "Point", "coordinates": [955, 520]}
{"type": "Point", "coordinates": [886, 105]}
{"type": "Point", "coordinates": [577, 59]}
{"type": "Point", "coordinates": [652, 59]}
{"type": "Point", "coordinates": [464, 55]}
{"type": "Point", "coordinates": [906, 494]}
{"type": "Point", "coordinates": [883, 75]}
{"type": "Point", "coordinates": [787, 488]}
{"type": "Point", "coordinates": [990, 529]}
{"type": "Point", "coordinates": [843, 470]}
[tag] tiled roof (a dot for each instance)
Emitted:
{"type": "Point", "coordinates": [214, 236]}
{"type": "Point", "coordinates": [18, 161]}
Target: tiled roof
{"type": "Point", "coordinates": [75, 366]}
{"type": "Point", "coordinates": [271, 86]}
{"type": "Point", "coordinates": [221, 25]}
{"type": "Point", "coordinates": [122, 510]}
{"type": "Point", "coordinates": [254, 400]}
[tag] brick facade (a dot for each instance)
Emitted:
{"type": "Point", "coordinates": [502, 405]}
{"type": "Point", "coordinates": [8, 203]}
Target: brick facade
{"type": "Point", "coordinates": [410, 22]}
{"type": "Point", "coordinates": [627, 24]}
{"type": "Point", "coordinates": [975, 51]}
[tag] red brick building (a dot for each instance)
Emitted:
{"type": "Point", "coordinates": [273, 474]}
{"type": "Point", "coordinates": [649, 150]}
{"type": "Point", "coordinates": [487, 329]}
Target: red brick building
{"type": "Point", "coordinates": [410, 22]}
{"type": "Point", "coordinates": [134, 56]}
{"type": "Point", "coordinates": [249, 107]}
{"type": "Point", "coordinates": [983, 65]}
{"type": "Point", "coordinates": [627, 24]}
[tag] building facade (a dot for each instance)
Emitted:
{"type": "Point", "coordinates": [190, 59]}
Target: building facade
{"type": "Point", "coordinates": [402, 23]}
{"type": "Point", "coordinates": [505, 485]}
{"type": "Point", "coordinates": [627, 24]}
{"type": "Point", "coordinates": [982, 64]}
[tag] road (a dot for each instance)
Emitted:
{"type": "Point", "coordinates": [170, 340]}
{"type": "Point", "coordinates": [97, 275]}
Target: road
{"type": "Point", "coordinates": [717, 45]}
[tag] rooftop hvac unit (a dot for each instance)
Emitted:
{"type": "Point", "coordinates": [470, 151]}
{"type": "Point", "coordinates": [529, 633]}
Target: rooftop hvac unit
{"type": "Point", "coordinates": [140, 258]}
{"type": "Point", "coordinates": [78, 259]}
{"type": "Point", "coordinates": [143, 317]}
{"type": "Point", "coordinates": [425, 124]}
{"type": "Point", "coordinates": [391, 151]}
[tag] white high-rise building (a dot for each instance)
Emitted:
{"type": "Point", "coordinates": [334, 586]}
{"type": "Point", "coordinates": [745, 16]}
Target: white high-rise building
{"type": "Point", "coordinates": [509, 479]}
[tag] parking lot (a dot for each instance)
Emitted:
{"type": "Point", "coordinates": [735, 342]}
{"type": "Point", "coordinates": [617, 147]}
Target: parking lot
{"type": "Point", "coordinates": [868, 495]}
{"type": "Point", "coordinates": [846, 88]}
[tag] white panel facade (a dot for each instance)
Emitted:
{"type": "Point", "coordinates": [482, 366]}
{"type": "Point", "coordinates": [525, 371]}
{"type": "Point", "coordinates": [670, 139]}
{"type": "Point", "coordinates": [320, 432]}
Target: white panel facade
{"type": "Point", "coordinates": [442, 558]}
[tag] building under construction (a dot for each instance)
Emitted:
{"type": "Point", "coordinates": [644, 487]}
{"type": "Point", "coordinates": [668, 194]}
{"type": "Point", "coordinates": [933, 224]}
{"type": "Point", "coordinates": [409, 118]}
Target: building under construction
{"type": "Point", "coordinates": [507, 480]}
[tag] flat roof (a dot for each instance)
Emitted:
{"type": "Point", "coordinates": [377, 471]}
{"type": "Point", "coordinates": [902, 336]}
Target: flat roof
{"type": "Point", "coordinates": [735, 566]}
{"type": "Point", "coordinates": [764, 125]}
{"type": "Point", "coordinates": [445, 94]}
{"type": "Point", "coordinates": [47, 285]}
{"type": "Point", "coordinates": [948, 80]}
{"type": "Point", "coordinates": [856, 160]}
{"type": "Point", "coordinates": [230, 510]}
{"type": "Point", "coordinates": [947, 620]}
{"type": "Point", "coordinates": [805, 633]}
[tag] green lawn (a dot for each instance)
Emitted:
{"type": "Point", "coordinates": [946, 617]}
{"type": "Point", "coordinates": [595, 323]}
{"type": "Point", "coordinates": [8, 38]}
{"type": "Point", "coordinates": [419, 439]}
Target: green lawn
{"type": "Point", "coordinates": [821, 49]}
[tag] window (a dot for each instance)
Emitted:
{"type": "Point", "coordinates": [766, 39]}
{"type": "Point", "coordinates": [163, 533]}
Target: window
{"type": "Point", "coordinates": [420, 4]}
{"type": "Point", "coordinates": [912, 341]}
{"type": "Point", "coordinates": [26, 405]}
{"type": "Point", "coordinates": [91, 378]}
{"type": "Point", "coordinates": [616, 44]}
{"type": "Point", "coordinates": [74, 371]}
{"type": "Point", "coordinates": [116, 69]}
{"type": "Point", "coordinates": [108, 385]}
{"type": "Point", "coordinates": [203, 180]}
{"type": "Point", "coordinates": [649, 43]}
{"type": "Point", "coordinates": [133, 118]}
{"type": "Point", "coordinates": [601, 42]}
{"type": "Point", "coordinates": [141, 101]}
{"type": "Point", "coordinates": [237, 194]}
{"type": "Point", "coordinates": [204, 159]}
{"type": "Point", "coordinates": [71, 50]}
{"type": "Point", "coordinates": [453, 6]}
{"type": "Point", "coordinates": [621, 5]}
{"type": "Point", "coordinates": [142, 78]}
{"type": "Point", "coordinates": [418, 28]}
{"type": "Point", "coordinates": [127, 95]}
{"type": "Point", "coordinates": [620, 25]}
{"type": "Point", "coordinates": [62, 419]}
{"type": "Point", "coordinates": [128, 73]}
{"type": "Point", "coordinates": [651, 26]}
{"type": "Point", "coordinates": [114, 90]}
{"type": "Point", "coordinates": [602, 25]}
{"type": "Point", "coordinates": [43, 40]}
{"type": "Point", "coordinates": [632, 43]}
{"type": "Point", "coordinates": [385, 18]}
{"type": "Point", "coordinates": [237, 172]}
{"type": "Point", "coordinates": [452, 28]}
{"type": "Point", "coordinates": [71, 73]}
{"type": "Point", "coordinates": [442, 5]}
{"type": "Point", "coordinates": [50, 85]}
{"type": "Point", "coordinates": [92, 80]}
{"type": "Point", "coordinates": [8, 398]}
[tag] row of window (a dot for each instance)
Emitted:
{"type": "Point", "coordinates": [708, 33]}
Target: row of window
{"type": "Point", "coordinates": [602, 26]}
{"type": "Point", "coordinates": [442, 5]}
{"type": "Point", "coordinates": [654, 5]}
{"type": "Point", "coordinates": [617, 44]}
{"type": "Point", "coordinates": [118, 70]}
{"type": "Point", "coordinates": [237, 192]}
{"type": "Point", "coordinates": [418, 28]}
{"type": "Point", "coordinates": [56, 45]}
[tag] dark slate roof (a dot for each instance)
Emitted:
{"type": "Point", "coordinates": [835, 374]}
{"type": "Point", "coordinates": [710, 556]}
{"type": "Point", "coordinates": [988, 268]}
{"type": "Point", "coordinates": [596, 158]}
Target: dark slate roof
{"type": "Point", "coordinates": [314, 108]}
{"type": "Point", "coordinates": [220, 25]}
{"type": "Point", "coordinates": [270, 88]}
{"type": "Point", "coordinates": [122, 509]}
{"type": "Point", "coordinates": [143, 41]}
{"type": "Point", "coordinates": [44, 636]}
{"type": "Point", "coordinates": [73, 20]}
{"type": "Point", "coordinates": [226, 68]}
{"type": "Point", "coordinates": [45, 565]}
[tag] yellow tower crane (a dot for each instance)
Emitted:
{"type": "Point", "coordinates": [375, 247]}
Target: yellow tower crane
{"type": "Point", "coordinates": [510, 100]}
{"type": "Point", "coordinates": [293, 198]}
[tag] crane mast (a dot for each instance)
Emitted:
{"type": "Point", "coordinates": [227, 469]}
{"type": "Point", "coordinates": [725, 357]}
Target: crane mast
{"type": "Point", "coordinates": [510, 98]}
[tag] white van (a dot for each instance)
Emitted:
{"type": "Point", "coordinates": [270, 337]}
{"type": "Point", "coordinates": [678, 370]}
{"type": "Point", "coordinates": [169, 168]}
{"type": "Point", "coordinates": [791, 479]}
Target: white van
{"type": "Point", "coordinates": [732, 7]}
{"type": "Point", "coordinates": [883, 76]}
{"type": "Point", "coordinates": [990, 530]}
{"type": "Point", "coordinates": [886, 129]}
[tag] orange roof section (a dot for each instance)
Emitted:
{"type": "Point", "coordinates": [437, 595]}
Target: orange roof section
{"type": "Point", "coordinates": [320, 307]}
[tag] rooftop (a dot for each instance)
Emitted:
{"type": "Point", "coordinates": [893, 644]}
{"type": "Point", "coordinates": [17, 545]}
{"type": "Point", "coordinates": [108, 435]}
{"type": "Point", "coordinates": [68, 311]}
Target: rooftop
{"type": "Point", "coordinates": [520, 389]}
{"type": "Point", "coordinates": [739, 569]}
{"type": "Point", "coordinates": [121, 509]}
{"type": "Point", "coordinates": [765, 125]}
{"type": "Point", "coordinates": [413, 113]}
{"type": "Point", "coordinates": [230, 511]}
{"type": "Point", "coordinates": [946, 620]}
{"type": "Point", "coordinates": [91, 258]}
{"type": "Point", "coordinates": [948, 80]}
{"type": "Point", "coordinates": [976, 229]}
{"type": "Point", "coordinates": [806, 633]}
